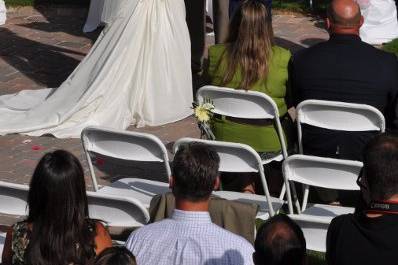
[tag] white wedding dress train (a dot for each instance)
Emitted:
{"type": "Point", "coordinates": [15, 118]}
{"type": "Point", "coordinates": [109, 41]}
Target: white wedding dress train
{"type": "Point", "coordinates": [138, 72]}
{"type": "Point", "coordinates": [380, 24]}
{"type": "Point", "coordinates": [3, 12]}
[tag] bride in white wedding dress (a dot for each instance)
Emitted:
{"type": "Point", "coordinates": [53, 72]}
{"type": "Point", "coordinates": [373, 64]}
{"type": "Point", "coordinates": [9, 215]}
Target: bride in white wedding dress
{"type": "Point", "coordinates": [138, 72]}
{"type": "Point", "coordinates": [380, 21]}
{"type": "Point", "coordinates": [3, 12]}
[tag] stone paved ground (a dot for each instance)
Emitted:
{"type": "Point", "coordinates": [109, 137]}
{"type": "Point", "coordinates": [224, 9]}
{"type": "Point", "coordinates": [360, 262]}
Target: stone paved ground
{"type": "Point", "coordinates": [42, 48]}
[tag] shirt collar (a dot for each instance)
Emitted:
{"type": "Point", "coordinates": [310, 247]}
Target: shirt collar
{"type": "Point", "coordinates": [344, 37]}
{"type": "Point", "coordinates": [190, 216]}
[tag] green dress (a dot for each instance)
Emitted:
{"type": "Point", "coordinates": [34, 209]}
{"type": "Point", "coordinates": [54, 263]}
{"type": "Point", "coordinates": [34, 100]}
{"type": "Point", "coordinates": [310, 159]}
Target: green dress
{"type": "Point", "coordinates": [261, 138]}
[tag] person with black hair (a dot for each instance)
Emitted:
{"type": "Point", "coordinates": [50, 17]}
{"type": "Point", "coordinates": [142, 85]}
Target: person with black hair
{"type": "Point", "coordinates": [189, 236]}
{"type": "Point", "coordinates": [58, 229]}
{"type": "Point", "coordinates": [115, 256]}
{"type": "Point", "coordinates": [369, 236]}
{"type": "Point", "coordinates": [280, 241]}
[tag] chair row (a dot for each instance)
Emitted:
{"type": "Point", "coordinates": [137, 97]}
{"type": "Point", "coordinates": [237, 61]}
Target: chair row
{"type": "Point", "coordinates": [124, 202]}
{"type": "Point", "coordinates": [234, 157]}
{"type": "Point", "coordinates": [332, 115]}
{"type": "Point", "coordinates": [324, 114]}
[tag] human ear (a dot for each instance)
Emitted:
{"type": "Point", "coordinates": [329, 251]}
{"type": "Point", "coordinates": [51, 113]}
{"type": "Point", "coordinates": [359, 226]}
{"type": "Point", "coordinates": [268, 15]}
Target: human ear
{"type": "Point", "coordinates": [171, 182]}
{"type": "Point", "coordinates": [361, 21]}
{"type": "Point", "coordinates": [328, 24]}
{"type": "Point", "coordinates": [217, 183]}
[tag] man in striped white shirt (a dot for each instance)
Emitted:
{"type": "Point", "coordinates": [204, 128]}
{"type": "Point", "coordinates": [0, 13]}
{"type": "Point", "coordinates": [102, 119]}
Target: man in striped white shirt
{"type": "Point", "coordinates": [189, 237]}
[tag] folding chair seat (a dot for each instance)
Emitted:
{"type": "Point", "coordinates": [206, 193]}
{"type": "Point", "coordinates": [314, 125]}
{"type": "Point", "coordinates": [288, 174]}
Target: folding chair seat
{"type": "Point", "coordinates": [128, 146]}
{"type": "Point", "coordinates": [245, 105]}
{"type": "Point", "coordinates": [318, 172]}
{"type": "Point", "coordinates": [236, 157]}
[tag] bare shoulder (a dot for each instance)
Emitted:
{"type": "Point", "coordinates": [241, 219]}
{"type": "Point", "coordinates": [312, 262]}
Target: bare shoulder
{"type": "Point", "coordinates": [102, 239]}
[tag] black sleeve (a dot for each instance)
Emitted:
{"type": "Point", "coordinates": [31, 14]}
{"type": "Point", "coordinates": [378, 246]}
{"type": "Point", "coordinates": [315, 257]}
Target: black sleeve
{"type": "Point", "coordinates": [392, 116]}
{"type": "Point", "coordinates": [331, 242]}
{"type": "Point", "coordinates": [290, 97]}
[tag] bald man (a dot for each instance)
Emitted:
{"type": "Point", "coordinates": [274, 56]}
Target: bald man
{"type": "Point", "coordinates": [344, 69]}
{"type": "Point", "coordinates": [280, 241]}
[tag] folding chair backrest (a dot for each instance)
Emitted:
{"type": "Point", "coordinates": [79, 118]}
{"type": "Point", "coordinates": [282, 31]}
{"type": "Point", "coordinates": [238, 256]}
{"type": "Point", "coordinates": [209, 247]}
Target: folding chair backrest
{"type": "Point", "coordinates": [322, 172]}
{"type": "Point", "coordinates": [124, 145]}
{"type": "Point", "coordinates": [116, 210]}
{"type": "Point", "coordinates": [242, 104]}
{"type": "Point", "coordinates": [239, 103]}
{"type": "Point", "coordinates": [339, 116]}
{"type": "Point", "coordinates": [234, 157]}
{"type": "Point", "coordinates": [13, 199]}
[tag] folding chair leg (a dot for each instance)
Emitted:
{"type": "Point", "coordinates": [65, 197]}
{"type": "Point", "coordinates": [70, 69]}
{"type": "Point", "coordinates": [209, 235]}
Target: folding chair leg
{"type": "Point", "coordinates": [283, 192]}
{"type": "Point", "coordinates": [305, 197]}
{"type": "Point", "coordinates": [295, 198]}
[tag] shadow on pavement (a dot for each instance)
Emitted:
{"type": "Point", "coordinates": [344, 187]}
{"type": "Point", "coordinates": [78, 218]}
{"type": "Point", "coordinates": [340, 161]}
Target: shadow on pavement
{"type": "Point", "coordinates": [48, 65]}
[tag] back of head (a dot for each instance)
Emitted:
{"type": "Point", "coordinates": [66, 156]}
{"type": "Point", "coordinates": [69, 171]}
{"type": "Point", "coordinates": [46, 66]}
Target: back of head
{"type": "Point", "coordinates": [344, 16]}
{"type": "Point", "coordinates": [280, 241]}
{"type": "Point", "coordinates": [58, 211]}
{"type": "Point", "coordinates": [381, 167]}
{"type": "Point", "coordinates": [249, 43]}
{"type": "Point", "coordinates": [115, 256]}
{"type": "Point", "coordinates": [195, 171]}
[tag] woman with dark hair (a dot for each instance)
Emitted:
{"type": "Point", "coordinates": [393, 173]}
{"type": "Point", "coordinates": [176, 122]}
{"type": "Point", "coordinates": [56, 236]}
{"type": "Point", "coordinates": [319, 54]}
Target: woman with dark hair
{"type": "Point", "coordinates": [115, 256]}
{"type": "Point", "coordinates": [58, 229]}
{"type": "Point", "coordinates": [249, 60]}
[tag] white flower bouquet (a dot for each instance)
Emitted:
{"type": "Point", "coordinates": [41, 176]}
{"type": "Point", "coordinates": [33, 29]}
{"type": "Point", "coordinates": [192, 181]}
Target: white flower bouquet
{"type": "Point", "coordinates": [203, 114]}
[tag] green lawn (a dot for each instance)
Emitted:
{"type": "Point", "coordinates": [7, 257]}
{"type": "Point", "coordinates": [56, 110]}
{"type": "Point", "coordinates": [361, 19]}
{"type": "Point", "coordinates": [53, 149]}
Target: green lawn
{"type": "Point", "coordinates": [19, 2]}
{"type": "Point", "coordinates": [316, 258]}
{"type": "Point", "coordinates": [319, 6]}
{"type": "Point", "coordinates": [289, 5]}
{"type": "Point", "coordinates": [391, 47]}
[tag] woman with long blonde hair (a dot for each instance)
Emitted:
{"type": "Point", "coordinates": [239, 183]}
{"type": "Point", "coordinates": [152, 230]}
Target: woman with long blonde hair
{"type": "Point", "coordinates": [249, 60]}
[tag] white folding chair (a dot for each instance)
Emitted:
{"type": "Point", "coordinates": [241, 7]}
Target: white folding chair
{"type": "Point", "coordinates": [13, 198]}
{"type": "Point", "coordinates": [13, 201]}
{"type": "Point", "coordinates": [336, 115]}
{"type": "Point", "coordinates": [319, 172]}
{"type": "Point", "coordinates": [129, 146]}
{"type": "Point", "coordinates": [341, 116]}
{"type": "Point", "coordinates": [245, 105]}
{"type": "Point", "coordinates": [2, 241]}
{"type": "Point", "coordinates": [116, 210]}
{"type": "Point", "coordinates": [236, 157]}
